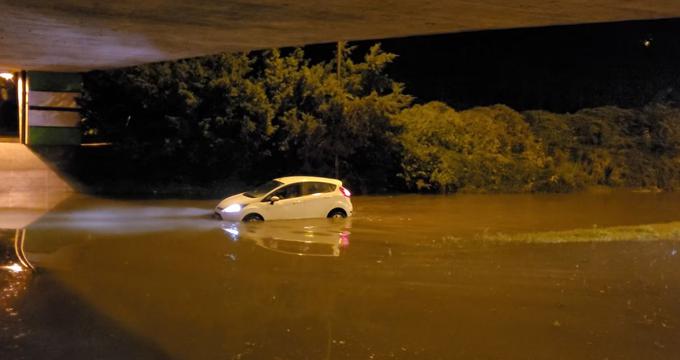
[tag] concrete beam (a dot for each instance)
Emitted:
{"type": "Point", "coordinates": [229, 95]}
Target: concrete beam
{"type": "Point", "coordinates": [75, 35]}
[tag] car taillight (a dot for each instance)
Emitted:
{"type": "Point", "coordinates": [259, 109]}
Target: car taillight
{"type": "Point", "coordinates": [345, 192]}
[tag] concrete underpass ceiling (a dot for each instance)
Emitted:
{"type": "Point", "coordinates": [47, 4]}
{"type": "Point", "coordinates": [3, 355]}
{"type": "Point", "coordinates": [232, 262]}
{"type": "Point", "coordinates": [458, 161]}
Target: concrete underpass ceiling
{"type": "Point", "coordinates": [76, 35]}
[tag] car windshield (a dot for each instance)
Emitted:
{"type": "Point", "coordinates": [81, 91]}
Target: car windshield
{"type": "Point", "coordinates": [263, 189]}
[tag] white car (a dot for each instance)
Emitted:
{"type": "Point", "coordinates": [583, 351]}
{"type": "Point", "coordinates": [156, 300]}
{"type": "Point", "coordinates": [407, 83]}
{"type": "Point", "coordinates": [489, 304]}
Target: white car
{"type": "Point", "coordinates": [293, 197]}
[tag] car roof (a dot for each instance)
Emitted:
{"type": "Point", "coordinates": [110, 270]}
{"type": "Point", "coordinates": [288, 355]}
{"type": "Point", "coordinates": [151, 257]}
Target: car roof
{"type": "Point", "coordinates": [294, 179]}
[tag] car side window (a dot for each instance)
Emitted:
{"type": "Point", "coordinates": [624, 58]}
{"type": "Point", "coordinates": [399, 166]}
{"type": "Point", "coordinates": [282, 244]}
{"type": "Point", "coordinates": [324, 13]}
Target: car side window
{"type": "Point", "coordinates": [310, 188]}
{"type": "Point", "coordinates": [287, 192]}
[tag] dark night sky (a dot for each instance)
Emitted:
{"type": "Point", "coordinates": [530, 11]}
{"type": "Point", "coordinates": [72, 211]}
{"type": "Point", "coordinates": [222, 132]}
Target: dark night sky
{"type": "Point", "coordinates": [561, 68]}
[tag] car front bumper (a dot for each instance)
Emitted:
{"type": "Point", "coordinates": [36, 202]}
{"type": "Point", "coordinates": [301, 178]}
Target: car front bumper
{"type": "Point", "coordinates": [219, 214]}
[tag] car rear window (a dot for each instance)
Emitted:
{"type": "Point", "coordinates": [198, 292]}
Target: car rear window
{"type": "Point", "coordinates": [309, 188]}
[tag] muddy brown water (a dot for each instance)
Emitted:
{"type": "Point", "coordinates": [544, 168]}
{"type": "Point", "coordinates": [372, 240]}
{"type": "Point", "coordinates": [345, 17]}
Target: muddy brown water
{"type": "Point", "coordinates": [408, 277]}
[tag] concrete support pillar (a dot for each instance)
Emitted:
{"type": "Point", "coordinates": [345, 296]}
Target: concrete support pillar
{"type": "Point", "coordinates": [22, 103]}
{"type": "Point", "coordinates": [31, 184]}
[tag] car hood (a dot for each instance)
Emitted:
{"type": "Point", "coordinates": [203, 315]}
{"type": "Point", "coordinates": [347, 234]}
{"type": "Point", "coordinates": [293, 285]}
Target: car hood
{"type": "Point", "coordinates": [237, 199]}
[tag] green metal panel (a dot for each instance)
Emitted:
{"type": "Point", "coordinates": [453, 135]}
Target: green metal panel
{"type": "Point", "coordinates": [47, 135]}
{"type": "Point", "coordinates": [53, 81]}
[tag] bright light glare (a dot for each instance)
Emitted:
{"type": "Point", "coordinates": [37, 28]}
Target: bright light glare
{"type": "Point", "coordinates": [232, 231]}
{"type": "Point", "coordinates": [16, 268]}
{"type": "Point", "coordinates": [7, 76]}
{"type": "Point", "coordinates": [232, 208]}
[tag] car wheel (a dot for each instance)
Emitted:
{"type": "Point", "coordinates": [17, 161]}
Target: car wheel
{"type": "Point", "coordinates": [253, 218]}
{"type": "Point", "coordinates": [337, 214]}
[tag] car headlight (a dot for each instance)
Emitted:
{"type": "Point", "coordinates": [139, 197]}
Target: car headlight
{"type": "Point", "coordinates": [233, 208]}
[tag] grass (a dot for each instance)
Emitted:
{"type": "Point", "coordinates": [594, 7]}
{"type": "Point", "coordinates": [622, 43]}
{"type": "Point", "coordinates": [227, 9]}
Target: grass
{"type": "Point", "coordinates": [648, 232]}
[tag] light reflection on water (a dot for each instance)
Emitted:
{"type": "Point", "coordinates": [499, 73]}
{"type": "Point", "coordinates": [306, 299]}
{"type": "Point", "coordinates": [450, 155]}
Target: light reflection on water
{"type": "Point", "coordinates": [311, 237]}
{"type": "Point", "coordinates": [306, 237]}
{"type": "Point", "coordinates": [14, 267]}
{"type": "Point", "coordinates": [405, 278]}
{"type": "Point", "coordinates": [133, 219]}
{"type": "Point", "coordinates": [14, 281]}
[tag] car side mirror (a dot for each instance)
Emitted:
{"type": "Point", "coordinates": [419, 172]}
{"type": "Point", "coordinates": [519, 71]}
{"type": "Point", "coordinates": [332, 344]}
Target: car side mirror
{"type": "Point", "coordinates": [274, 199]}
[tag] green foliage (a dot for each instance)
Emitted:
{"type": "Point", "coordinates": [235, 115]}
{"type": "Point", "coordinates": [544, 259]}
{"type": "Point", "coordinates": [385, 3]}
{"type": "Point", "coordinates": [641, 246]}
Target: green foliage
{"type": "Point", "coordinates": [250, 116]}
{"type": "Point", "coordinates": [481, 149]}
{"type": "Point", "coordinates": [499, 150]}
{"type": "Point", "coordinates": [323, 122]}
{"type": "Point", "coordinates": [190, 114]}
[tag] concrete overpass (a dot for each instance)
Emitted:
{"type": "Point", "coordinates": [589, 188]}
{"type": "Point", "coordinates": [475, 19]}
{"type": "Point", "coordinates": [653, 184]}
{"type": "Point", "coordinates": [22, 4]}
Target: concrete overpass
{"type": "Point", "coordinates": [77, 35]}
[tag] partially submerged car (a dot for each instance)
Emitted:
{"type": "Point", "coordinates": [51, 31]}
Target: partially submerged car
{"type": "Point", "coordinates": [293, 197]}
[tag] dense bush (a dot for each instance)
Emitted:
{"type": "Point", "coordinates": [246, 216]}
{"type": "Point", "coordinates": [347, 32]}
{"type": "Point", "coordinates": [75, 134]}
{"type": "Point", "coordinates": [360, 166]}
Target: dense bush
{"type": "Point", "coordinates": [497, 149]}
{"type": "Point", "coordinates": [481, 149]}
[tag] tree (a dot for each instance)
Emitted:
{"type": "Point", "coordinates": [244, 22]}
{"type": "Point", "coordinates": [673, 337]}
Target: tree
{"type": "Point", "coordinates": [186, 117]}
{"type": "Point", "coordinates": [322, 120]}
{"type": "Point", "coordinates": [250, 116]}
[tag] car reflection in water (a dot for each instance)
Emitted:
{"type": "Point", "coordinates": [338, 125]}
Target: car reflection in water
{"type": "Point", "coordinates": [309, 237]}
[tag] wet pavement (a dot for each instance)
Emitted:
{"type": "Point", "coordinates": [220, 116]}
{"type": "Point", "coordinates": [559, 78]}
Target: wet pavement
{"type": "Point", "coordinates": [408, 277]}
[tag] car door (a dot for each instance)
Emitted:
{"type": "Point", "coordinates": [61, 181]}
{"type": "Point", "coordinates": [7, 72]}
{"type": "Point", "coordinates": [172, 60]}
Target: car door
{"type": "Point", "coordinates": [316, 198]}
{"type": "Point", "coordinates": [288, 206]}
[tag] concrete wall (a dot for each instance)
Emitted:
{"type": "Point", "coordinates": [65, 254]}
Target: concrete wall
{"type": "Point", "coordinates": [28, 186]}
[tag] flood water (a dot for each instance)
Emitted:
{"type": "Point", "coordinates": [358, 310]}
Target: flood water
{"type": "Point", "coordinates": [408, 277]}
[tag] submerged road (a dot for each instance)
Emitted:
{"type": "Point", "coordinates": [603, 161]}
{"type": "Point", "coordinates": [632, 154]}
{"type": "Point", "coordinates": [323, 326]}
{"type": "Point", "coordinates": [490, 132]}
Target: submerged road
{"type": "Point", "coordinates": [409, 277]}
